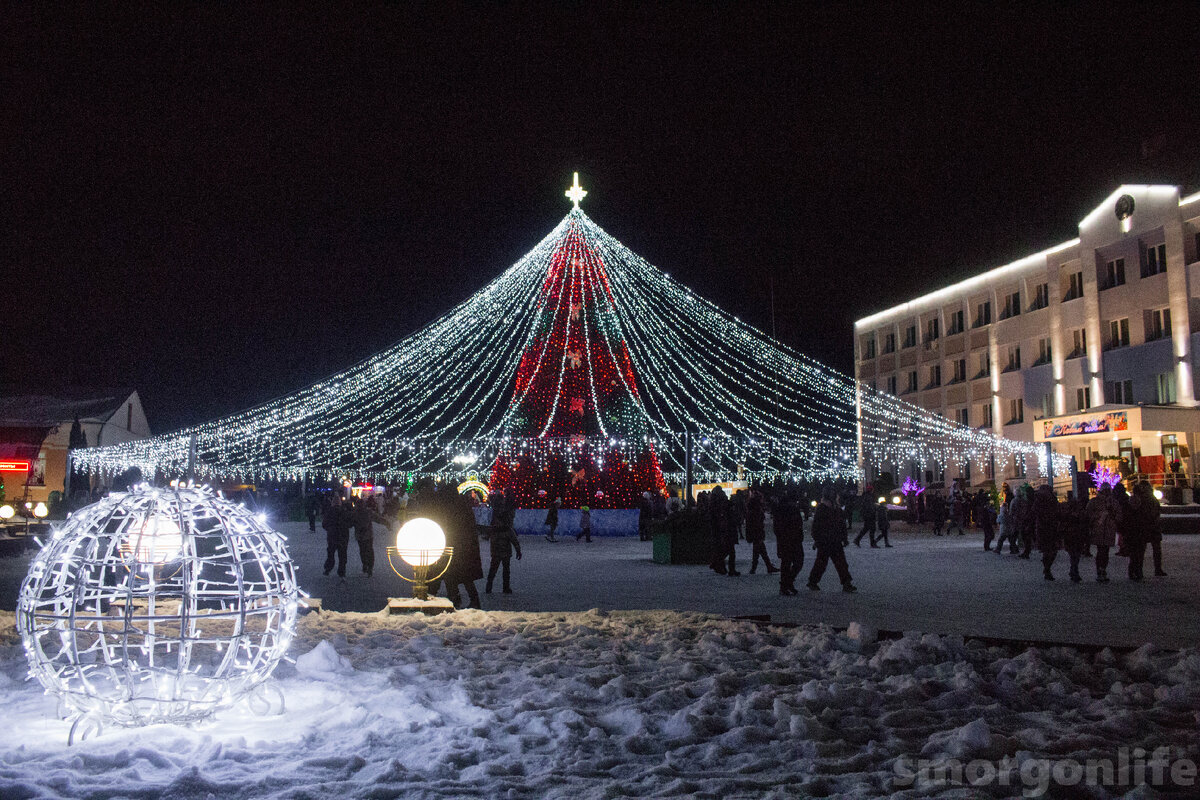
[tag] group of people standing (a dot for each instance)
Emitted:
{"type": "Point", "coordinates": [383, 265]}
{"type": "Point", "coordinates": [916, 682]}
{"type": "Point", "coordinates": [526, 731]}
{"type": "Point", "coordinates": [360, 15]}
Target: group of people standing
{"type": "Point", "coordinates": [1114, 517]}
{"type": "Point", "coordinates": [829, 534]}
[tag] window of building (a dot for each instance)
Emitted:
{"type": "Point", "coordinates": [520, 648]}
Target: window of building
{"type": "Point", "coordinates": [1074, 286]}
{"type": "Point", "coordinates": [954, 324]}
{"type": "Point", "coordinates": [1016, 410]}
{"type": "Point", "coordinates": [960, 371]}
{"type": "Point", "coordinates": [912, 382]}
{"type": "Point", "coordinates": [983, 314]}
{"type": "Point", "coordinates": [1170, 448]}
{"type": "Point", "coordinates": [1118, 333]}
{"type": "Point", "coordinates": [1083, 398]}
{"type": "Point", "coordinates": [935, 375]}
{"type": "Point", "coordinates": [1114, 273]}
{"type": "Point", "coordinates": [985, 415]}
{"type": "Point", "coordinates": [1043, 351]}
{"type": "Point", "coordinates": [868, 347]}
{"type": "Point", "coordinates": [1041, 296]}
{"type": "Point", "coordinates": [891, 384]}
{"type": "Point", "coordinates": [1048, 405]}
{"type": "Point", "coordinates": [889, 343]}
{"type": "Point", "coordinates": [960, 416]}
{"type": "Point", "coordinates": [1155, 261]}
{"type": "Point", "coordinates": [910, 336]}
{"type": "Point", "coordinates": [1164, 385]}
{"type": "Point", "coordinates": [985, 366]}
{"type": "Point", "coordinates": [1012, 305]}
{"type": "Point", "coordinates": [932, 330]}
{"type": "Point", "coordinates": [1121, 392]}
{"type": "Point", "coordinates": [1127, 451]}
{"type": "Point", "coordinates": [1078, 342]}
{"type": "Point", "coordinates": [1014, 358]}
{"type": "Point", "coordinates": [1158, 324]}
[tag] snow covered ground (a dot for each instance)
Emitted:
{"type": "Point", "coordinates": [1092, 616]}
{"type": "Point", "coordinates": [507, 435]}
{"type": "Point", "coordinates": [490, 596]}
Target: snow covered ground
{"type": "Point", "coordinates": [602, 704]}
{"type": "Point", "coordinates": [557, 693]}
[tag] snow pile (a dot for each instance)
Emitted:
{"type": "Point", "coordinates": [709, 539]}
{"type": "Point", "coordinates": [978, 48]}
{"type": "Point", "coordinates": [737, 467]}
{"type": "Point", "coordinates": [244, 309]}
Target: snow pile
{"type": "Point", "coordinates": [596, 704]}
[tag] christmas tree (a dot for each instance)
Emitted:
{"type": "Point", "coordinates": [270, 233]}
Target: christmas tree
{"type": "Point", "coordinates": [576, 428]}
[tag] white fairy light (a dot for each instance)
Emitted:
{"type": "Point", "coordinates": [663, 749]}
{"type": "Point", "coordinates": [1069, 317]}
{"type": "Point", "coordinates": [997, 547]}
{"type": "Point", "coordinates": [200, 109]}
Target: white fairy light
{"type": "Point", "coordinates": [156, 606]}
{"type": "Point", "coordinates": [415, 409]}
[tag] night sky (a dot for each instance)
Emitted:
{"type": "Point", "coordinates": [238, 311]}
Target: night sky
{"type": "Point", "coordinates": [217, 206]}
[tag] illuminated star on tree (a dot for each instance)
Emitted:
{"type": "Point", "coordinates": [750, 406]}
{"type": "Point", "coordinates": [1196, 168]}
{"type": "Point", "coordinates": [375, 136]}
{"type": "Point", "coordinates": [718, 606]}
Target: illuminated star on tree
{"type": "Point", "coordinates": [576, 192]}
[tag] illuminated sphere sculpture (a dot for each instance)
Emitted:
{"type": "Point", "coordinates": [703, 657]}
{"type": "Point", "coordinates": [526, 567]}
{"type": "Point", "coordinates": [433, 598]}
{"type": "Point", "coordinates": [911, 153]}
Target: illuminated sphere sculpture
{"type": "Point", "coordinates": [157, 605]}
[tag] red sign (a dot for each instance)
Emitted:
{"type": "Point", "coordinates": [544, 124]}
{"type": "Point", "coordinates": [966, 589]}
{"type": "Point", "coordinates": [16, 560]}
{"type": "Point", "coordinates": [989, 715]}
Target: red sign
{"type": "Point", "coordinates": [14, 466]}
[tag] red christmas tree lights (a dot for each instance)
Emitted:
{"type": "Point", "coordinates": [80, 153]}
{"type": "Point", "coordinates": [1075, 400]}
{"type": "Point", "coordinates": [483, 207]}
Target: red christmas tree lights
{"type": "Point", "coordinates": [576, 428]}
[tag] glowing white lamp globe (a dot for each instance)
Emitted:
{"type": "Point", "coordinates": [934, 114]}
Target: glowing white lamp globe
{"type": "Point", "coordinates": [420, 542]}
{"type": "Point", "coordinates": [7, 512]}
{"type": "Point", "coordinates": [40, 511]}
{"type": "Point", "coordinates": [154, 606]}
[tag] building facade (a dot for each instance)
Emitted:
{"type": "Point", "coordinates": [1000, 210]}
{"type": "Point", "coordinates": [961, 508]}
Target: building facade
{"type": "Point", "coordinates": [1090, 345]}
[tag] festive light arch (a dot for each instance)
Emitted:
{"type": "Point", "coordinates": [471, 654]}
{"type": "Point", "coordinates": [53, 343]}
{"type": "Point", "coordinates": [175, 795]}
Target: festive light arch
{"type": "Point", "coordinates": [580, 330]}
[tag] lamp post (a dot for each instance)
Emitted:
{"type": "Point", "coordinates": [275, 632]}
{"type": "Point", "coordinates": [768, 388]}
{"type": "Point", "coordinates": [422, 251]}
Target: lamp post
{"type": "Point", "coordinates": [420, 543]}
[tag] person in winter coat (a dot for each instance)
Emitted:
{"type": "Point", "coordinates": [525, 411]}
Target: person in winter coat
{"type": "Point", "coordinates": [1154, 532]}
{"type": "Point", "coordinates": [458, 521]}
{"type": "Point", "coordinates": [503, 543]}
{"type": "Point", "coordinates": [829, 536]}
{"type": "Point", "coordinates": [311, 506]}
{"type": "Point", "coordinates": [1003, 524]}
{"type": "Point", "coordinates": [552, 520]}
{"type": "Point", "coordinates": [881, 524]}
{"type": "Point", "coordinates": [1024, 518]}
{"type": "Point", "coordinates": [1046, 527]}
{"type": "Point", "coordinates": [866, 504]}
{"type": "Point", "coordinates": [937, 513]}
{"type": "Point", "coordinates": [958, 513]}
{"type": "Point", "coordinates": [585, 524]}
{"type": "Point", "coordinates": [788, 521]}
{"type": "Point", "coordinates": [756, 533]}
{"type": "Point", "coordinates": [1104, 520]}
{"type": "Point", "coordinates": [1142, 520]}
{"type": "Point", "coordinates": [364, 534]}
{"type": "Point", "coordinates": [336, 522]}
{"type": "Point", "coordinates": [1073, 525]}
{"type": "Point", "coordinates": [983, 517]}
{"type": "Point", "coordinates": [723, 532]}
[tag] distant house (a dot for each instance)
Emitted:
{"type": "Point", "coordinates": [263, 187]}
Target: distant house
{"type": "Point", "coordinates": [35, 434]}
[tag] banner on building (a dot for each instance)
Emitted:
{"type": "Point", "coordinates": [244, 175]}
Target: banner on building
{"type": "Point", "coordinates": [1111, 422]}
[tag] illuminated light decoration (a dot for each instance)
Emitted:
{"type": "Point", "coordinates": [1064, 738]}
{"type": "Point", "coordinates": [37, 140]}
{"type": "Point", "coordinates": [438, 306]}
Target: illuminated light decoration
{"type": "Point", "coordinates": [14, 466]}
{"type": "Point", "coordinates": [911, 486]}
{"type": "Point", "coordinates": [157, 606]}
{"type": "Point", "coordinates": [495, 377]}
{"type": "Point", "coordinates": [1103, 476]}
{"type": "Point", "coordinates": [7, 512]}
{"type": "Point", "coordinates": [421, 544]}
{"type": "Point", "coordinates": [474, 486]}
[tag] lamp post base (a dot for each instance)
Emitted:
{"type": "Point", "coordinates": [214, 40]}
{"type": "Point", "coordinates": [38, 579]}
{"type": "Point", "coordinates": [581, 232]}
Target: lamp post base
{"type": "Point", "coordinates": [411, 605]}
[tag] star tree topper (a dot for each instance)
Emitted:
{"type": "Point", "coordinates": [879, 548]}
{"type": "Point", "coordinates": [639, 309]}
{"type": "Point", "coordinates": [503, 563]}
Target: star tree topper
{"type": "Point", "coordinates": [576, 192]}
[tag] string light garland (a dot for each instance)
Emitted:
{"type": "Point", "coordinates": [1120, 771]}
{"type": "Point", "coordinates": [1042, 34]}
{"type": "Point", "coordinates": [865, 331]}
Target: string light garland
{"type": "Point", "coordinates": [581, 355]}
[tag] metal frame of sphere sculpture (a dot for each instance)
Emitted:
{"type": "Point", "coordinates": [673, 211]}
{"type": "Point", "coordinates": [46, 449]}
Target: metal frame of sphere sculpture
{"type": "Point", "coordinates": [157, 605]}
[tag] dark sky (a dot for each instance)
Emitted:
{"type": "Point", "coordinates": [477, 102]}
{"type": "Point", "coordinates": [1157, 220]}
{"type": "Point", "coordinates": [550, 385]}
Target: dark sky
{"type": "Point", "coordinates": [219, 205]}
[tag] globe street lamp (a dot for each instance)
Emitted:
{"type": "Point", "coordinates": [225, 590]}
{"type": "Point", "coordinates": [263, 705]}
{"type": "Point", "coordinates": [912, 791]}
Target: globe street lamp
{"type": "Point", "coordinates": [421, 544]}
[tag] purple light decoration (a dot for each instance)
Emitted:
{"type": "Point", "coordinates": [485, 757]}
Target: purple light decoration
{"type": "Point", "coordinates": [1103, 476]}
{"type": "Point", "coordinates": [911, 486]}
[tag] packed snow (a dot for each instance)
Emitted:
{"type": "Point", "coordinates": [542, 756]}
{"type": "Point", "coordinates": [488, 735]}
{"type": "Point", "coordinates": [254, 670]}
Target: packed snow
{"type": "Point", "coordinates": [613, 704]}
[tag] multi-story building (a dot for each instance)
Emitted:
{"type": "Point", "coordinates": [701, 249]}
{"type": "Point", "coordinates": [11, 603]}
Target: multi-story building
{"type": "Point", "coordinates": [1091, 345]}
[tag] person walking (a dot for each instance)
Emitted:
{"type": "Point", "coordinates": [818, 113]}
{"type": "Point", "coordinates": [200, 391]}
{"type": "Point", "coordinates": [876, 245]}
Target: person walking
{"type": "Point", "coordinates": [866, 504]}
{"type": "Point", "coordinates": [1104, 520]}
{"type": "Point", "coordinates": [1046, 526]}
{"type": "Point", "coordinates": [756, 532]}
{"type": "Point", "coordinates": [1154, 530]}
{"type": "Point", "coordinates": [1073, 525]}
{"type": "Point", "coordinates": [724, 533]}
{"type": "Point", "coordinates": [585, 524]}
{"type": "Point", "coordinates": [937, 513]}
{"type": "Point", "coordinates": [958, 512]}
{"type": "Point", "coordinates": [984, 517]}
{"type": "Point", "coordinates": [1142, 519]}
{"type": "Point", "coordinates": [829, 536]}
{"type": "Point", "coordinates": [1003, 523]}
{"type": "Point", "coordinates": [881, 524]}
{"type": "Point", "coordinates": [336, 522]}
{"type": "Point", "coordinates": [311, 506]}
{"type": "Point", "coordinates": [502, 544]}
{"type": "Point", "coordinates": [1023, 522]}
{"type": "Point", "coordinates": [364, 534]}
{"type": "Point", "coordinates": [552, 520]}
{"type": "Point", "coordinates": [462, 534]}
{"type": "Point", "coordinates": [787, 518]}
{"type": "Point", "coordinates": [645, 515]}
